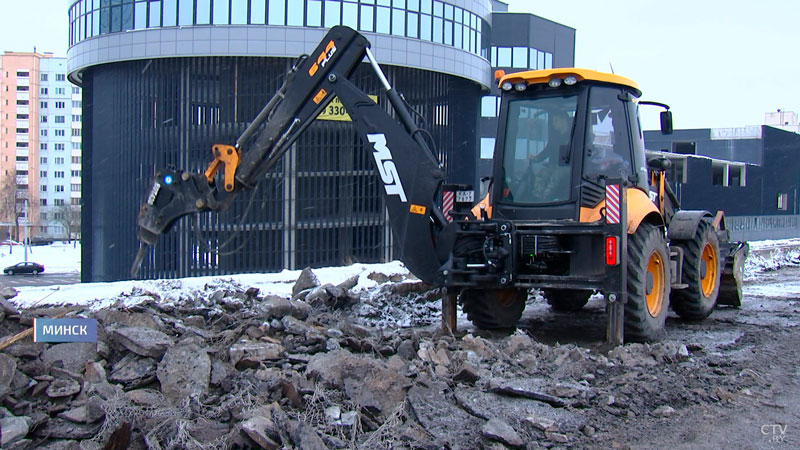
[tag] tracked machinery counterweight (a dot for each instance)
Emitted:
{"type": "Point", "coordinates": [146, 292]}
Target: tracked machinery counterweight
{"type": "Point", "coordinates": [575, 205]}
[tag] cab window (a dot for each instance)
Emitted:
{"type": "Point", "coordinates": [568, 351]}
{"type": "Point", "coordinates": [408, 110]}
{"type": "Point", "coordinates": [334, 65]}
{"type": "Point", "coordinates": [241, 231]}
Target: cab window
{"type": "Point", "coordinates": [538, 139]}
{"type": "Point", "coordinates": [607, 147]}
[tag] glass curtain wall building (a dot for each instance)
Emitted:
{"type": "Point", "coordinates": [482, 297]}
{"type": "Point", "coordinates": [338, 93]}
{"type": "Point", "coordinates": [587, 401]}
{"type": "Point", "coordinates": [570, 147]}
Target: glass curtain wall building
{"type": "Point", "coordinates": [519, 42]}
{"type": "Point", "coordinates": [164, 80]}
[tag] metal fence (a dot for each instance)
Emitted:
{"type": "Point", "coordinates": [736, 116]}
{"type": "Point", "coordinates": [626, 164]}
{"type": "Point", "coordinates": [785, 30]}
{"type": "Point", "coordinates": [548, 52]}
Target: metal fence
{"type": "Point", "coordinates": [756, 228]}
{"type": "Point", "coordinates": [319, 206]}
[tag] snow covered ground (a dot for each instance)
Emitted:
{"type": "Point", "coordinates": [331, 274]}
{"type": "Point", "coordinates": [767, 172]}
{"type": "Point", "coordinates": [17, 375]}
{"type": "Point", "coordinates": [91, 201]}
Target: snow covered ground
{"type": "Point", "coordinates": [59, 257]}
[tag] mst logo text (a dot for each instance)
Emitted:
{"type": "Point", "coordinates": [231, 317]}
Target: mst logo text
{"type": "Point", "coordinates": [386, 167]}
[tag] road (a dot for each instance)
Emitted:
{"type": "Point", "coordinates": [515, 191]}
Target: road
{"type": "Point", "coordinates": [45, 279]}
{"type": "Point", "coordinates": [738, 389]}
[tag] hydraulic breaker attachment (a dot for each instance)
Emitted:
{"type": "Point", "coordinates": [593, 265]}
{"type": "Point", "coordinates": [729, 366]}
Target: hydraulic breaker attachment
{"type": "Point", "coordinates": [730, 288]}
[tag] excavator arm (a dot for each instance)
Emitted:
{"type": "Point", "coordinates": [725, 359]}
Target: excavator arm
{"type": "Point", "coordinates": [408, 169]}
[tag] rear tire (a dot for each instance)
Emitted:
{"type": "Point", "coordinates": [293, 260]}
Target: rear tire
{"type": "Point", "coordinates": [566, 300]}
{"type": "Point", "coordinates": [702, 272]}
{"type": "Point", "coordinates": [648, 284]}
{"type": "Point", "coordinates": [35, 272]}
{"type": "Point", "coordinates": [492, 309]}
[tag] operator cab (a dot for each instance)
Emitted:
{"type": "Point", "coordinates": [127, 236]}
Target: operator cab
{"type": "Point", "coordinates": [565, 132]}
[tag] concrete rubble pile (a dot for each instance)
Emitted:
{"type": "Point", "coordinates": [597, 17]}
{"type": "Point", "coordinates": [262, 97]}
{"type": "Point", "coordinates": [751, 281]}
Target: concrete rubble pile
{"type": "Point", "coordinates": [235, 369]}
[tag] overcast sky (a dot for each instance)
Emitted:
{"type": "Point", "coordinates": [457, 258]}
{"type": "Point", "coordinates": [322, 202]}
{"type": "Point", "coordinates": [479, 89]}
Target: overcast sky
{"type": "Point", "coordinates": [718, 63]}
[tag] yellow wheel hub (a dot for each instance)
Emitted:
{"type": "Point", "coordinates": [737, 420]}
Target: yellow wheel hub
{"type": "Point", "coordinates": [505, 297]}
{"type": "Point", "coordinates": [656, 277]}
{"type": "Point", "coordinates": [708, 276]}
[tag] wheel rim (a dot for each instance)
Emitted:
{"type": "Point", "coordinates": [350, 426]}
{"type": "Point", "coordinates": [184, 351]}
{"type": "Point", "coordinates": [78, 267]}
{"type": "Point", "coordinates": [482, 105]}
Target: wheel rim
{"type": "Point", "coordinates": [655, 293]}
{"type": "Point", "coordinates": [505, 297]}
{"type": "Point", "coordinates": [709, 279]}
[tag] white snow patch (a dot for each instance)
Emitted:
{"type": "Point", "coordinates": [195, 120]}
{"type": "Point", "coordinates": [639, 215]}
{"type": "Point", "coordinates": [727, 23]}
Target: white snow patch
{"type": "Point", "coordinates": [63, 257]}
{"type": "Point", "coordinates": [101, 295]}
{"type": "Point", "coordinates": [59, 257]}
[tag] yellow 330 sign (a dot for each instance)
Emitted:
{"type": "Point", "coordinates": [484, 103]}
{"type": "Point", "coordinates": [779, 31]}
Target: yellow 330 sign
{"type": "Point", "coordinates": [335, 110]}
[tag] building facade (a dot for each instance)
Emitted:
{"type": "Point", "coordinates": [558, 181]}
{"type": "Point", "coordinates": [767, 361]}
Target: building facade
{"type": "Point", "coordinates": [519, 42]}
{"type": "Point", "coordinates": [164, 80]}
{"type": "Point", "coordinates": [40, 162]}
{"type": "Point", "coordinates": [746, 171]}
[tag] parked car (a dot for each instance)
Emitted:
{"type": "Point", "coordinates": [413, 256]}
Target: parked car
{"type": "Point", "coordinates": [24, 267]}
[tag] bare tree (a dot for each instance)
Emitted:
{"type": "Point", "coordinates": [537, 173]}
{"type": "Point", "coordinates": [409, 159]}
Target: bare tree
{"type": "Point", "coordinates": [8, 200]}
{"type": "Point", "coordinates": [70, 217]}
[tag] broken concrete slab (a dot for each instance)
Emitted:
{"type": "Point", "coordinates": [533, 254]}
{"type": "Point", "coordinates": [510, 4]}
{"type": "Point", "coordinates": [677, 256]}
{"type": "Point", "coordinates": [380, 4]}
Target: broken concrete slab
{"type": "Point", "coordinates": [119, 318]}
{"type": "Point", "coordinates": [370, 382]}
{"type": "Point", "coordinates": [306, 280]}
{"type": "Point", "coordinates": [8, 368]}
{"type": "Point", "coordinates": [184, 371]}
{"type": "Point", "coordinates": [250, 354]}
{"type": "Point", "coordinates": [516, 410]}
{"type": "Point", "coordinates": [439, 417]}
{"type": "Point", "coordinates": [500, 431]}
{"type": "Point", "coordinates": [63, 387]}
{"type": "Point", "coordinates": [133, 371]}
{"type": "Point", "coordinates": [257, 428]}
{"type": "Point", "coordinates": [14, 428]}
{"type": "Point", "coordinates": [91, 412]}
{"type": "Point", "coordinates": [142, 341]}
{"type": "Point", "coordinates": [73, 355]}
{"type": "Point", "coordinates": [7, 292]}
{"type": "Point", "coordinates": [277, 307]}
{"type": "Point", "coordinates": [63, 429]}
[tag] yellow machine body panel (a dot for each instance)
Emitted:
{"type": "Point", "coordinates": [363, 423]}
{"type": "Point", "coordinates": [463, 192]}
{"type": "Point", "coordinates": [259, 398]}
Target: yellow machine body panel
{"type": "Point", "coordinates": [544, 76]}
{"type": "Point", "coordinates": [639, 207]}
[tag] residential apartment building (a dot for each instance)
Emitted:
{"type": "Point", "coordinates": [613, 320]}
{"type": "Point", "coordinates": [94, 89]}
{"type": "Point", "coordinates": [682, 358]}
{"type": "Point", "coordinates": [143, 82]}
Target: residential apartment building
{"type": "Point", "coordinates": [40, 146]}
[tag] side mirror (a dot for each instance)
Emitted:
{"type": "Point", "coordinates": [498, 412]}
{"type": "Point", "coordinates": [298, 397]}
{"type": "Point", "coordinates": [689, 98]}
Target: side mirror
{"type": "Point", "coordinates": [659, 163]}
{"type": "Point", "coordinates": [666, 122]}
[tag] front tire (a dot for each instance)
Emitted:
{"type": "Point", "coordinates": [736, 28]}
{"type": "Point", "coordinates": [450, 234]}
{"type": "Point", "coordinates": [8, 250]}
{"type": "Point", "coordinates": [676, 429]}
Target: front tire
{"type": "Point", "coordinates": [492, 309]}
{"type": "Point", "coordinates": [648, 284]}
{"type": "Point", "coordinates": [701, 271]}
{"type": "Point", "coordinates": [566, 300]}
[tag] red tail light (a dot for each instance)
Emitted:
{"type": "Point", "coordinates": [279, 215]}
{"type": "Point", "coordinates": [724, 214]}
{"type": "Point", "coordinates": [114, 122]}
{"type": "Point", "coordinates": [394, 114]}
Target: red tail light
{"type": "Point", "coordinates": [612, 250]}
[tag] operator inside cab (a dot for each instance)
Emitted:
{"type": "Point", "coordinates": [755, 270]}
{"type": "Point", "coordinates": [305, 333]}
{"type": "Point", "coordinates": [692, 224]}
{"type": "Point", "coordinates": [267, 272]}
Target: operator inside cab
{"type": "Point", "coordinates": [539, 135]}
{"type": "Point", "coordinates": [537, 142]}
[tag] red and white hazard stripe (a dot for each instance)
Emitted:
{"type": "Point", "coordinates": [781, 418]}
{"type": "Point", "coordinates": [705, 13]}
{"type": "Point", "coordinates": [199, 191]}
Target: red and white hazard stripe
{"type": "Point", "coordinates": [448, 202]}
{"type": "Point", "coordinates": [612, 203]}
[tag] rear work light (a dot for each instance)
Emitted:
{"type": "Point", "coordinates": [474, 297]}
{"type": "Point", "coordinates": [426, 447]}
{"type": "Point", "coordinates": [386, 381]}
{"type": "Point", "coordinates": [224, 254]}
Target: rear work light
{"type": "Point", "coordinates": [612, 250]}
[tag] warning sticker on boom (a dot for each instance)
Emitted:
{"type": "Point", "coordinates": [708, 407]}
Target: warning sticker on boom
{"type": "Point", "coordinates": [417, 209]}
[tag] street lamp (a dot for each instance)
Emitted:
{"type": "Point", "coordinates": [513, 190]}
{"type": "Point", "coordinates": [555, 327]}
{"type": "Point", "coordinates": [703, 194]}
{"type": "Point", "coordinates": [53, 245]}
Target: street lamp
{"type": "Point", "coordinates": [25, 231]}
